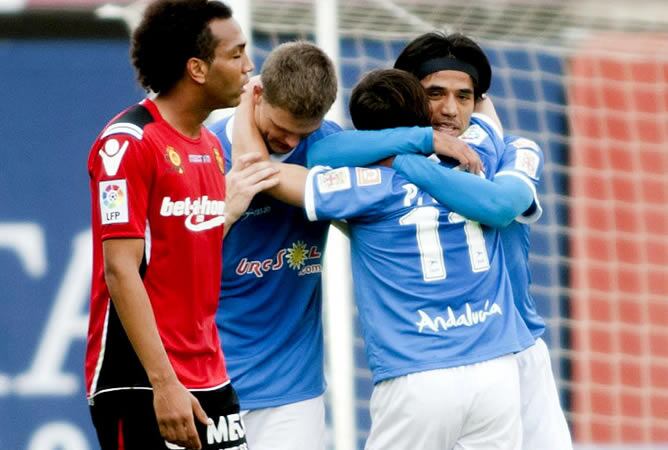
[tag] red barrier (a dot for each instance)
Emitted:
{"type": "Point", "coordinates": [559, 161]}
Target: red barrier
{"type": "Point", "coordinates": [618, 110]}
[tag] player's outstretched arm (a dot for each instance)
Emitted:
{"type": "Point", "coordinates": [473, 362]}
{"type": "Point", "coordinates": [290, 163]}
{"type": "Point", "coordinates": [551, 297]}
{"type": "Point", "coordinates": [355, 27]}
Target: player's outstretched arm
{"type": "Point", "coordinates": [358, 148]}
{"type": "Point", "coordinates": [174, 405]}
{"type": "Point", "coordinates": [495, 203]}
{"type": "Point", "coordinates": [351, 148]}
{"type": "Point", "coordinates": [290, 189]}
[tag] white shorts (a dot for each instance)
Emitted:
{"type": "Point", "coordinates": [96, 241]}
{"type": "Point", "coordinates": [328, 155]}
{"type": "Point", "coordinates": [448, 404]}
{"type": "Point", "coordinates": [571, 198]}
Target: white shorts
{"type": "Point", "coordinates": [543, 422]}
{"type": "Point", "coordinates": [295, 426]}
{"type": "Point", "coordinates": [464, 408]}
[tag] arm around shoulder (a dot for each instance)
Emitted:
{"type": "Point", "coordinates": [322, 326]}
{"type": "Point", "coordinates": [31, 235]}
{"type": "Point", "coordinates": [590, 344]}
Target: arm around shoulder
{"type": "Point", "coordinates": [493, 203]}
{"type": "Point", "coordinates": [363, 147]}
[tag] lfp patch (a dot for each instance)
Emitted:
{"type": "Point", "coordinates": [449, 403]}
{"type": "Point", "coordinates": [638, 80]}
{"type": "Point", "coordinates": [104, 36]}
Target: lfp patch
{"type": "Point", "coordinates": [367, 177]}
{"type": "Point", "coordinates": [334, 180]}
{"type": "Point", "coordinates": [114, 201]}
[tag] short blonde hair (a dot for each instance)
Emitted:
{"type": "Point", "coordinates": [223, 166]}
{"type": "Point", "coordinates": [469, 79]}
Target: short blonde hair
{"type": "Point", "coordinates": [299, 78]}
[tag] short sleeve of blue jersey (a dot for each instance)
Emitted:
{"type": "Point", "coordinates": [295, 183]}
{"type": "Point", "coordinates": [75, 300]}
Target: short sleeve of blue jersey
{"type": "Point", "coordinates": [523, 159]}
{"type": "Point", "coordinates": [328, 127]}
{"type": "Point", "coordinates": [486, 137]}
{"type": "Point", "coordinates": [346, 192]}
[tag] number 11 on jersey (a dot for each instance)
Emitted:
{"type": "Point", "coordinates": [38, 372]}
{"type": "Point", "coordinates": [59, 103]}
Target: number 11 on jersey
{"type": "Point", "coordinates": [425, 218]}
{"type": "Point", "coordinates": [432, 258]}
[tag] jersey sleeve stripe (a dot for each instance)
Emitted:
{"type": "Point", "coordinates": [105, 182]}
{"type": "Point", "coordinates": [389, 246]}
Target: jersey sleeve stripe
{"type": "Point", "coordinates": [532, 217]}
{"type": "Point", "coordinates": [537, 211]}
{"type": "Point", "coordinates": [123, 128]}
{"type": "Point", "coordinates": [100, 357]}
{"type": "Point", "coordinates": [147, 242]}
{"type": "Point", "coordinates": [309, 194]}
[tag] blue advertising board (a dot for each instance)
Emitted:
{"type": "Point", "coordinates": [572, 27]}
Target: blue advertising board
{"type": "Point", "coordinates": [55, 97]}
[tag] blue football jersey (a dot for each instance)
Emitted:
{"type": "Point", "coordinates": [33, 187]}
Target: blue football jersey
{"type": "Point", "coordinates": [486, 138]}
{"type": "Point", "coordinates": [522, 158]}
{"type": "Point", "coordinates": [269, 315]}
{"type": "Point", "coordinates": [431, 287]}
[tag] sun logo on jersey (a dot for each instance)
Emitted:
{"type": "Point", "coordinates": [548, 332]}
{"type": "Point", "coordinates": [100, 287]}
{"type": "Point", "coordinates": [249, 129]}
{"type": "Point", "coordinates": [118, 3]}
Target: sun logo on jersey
{"type": "Point", "coordinates": [297, 255]}
{"type": "Point", "coordinates": [174, 159]}
{"type": "Point", "coordinates": [219, 160]}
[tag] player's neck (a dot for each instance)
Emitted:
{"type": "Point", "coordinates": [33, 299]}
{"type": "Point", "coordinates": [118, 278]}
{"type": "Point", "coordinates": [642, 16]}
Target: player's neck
{"type": "Point", "coordinates": [183, 112]}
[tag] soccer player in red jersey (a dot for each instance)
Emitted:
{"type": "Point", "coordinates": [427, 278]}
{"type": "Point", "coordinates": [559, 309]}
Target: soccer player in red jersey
{"type": "Point", "coordinates": [155, 373]}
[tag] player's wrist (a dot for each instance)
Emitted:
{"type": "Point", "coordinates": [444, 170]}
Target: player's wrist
{"type": "Point", "coordinates": [162, 378]}
{"type": "Point", "coordinates": [231, 218]}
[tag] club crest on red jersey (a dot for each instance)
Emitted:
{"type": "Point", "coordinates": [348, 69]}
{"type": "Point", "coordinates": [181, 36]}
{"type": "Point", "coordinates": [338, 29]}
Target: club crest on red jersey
{"type": "Point", "coordinates": [219, 160]}
{"type": "Point", "coordinates": [173, 157]}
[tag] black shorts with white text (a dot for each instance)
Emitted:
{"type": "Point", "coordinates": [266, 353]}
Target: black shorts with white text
{"type": "Point", "coordinates": [125, 420]}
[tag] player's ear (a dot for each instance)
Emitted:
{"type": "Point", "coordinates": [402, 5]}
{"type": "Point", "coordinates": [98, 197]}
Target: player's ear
{"type": "Point", "coordinates": [257, 94]}
{"type": "Point", "coordinates": [197, 70]}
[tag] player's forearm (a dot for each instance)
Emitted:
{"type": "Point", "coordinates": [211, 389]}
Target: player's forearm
{"type": "Point", "coordinates": [353, 148]}
{"type": "Point", "coordinates": [246, 137]}
{"type": "Point", "coordinates": [121, 270]}
{"type": "Point", "coordinates": [493, 203]}
{"type": "Point", "coordinates": [292, 181]}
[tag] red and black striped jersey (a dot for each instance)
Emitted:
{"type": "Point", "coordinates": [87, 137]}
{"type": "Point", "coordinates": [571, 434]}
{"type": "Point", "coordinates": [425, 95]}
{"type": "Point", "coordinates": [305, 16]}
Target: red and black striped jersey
{"type": "Point", "coordinates": [150, 182]}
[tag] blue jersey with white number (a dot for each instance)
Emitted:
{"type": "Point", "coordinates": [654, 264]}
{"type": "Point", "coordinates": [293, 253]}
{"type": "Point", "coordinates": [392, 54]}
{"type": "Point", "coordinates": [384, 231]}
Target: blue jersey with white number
{"type": "Point", "coordinates": [269, 315]}
{"type": "Point", "coordinates": [522, 158]}
{"type": "Point", "coordinates": [431, 288]}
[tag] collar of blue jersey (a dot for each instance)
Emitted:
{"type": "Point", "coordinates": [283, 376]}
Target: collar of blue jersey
{"type": "Point", "coordinates": [446, 63]}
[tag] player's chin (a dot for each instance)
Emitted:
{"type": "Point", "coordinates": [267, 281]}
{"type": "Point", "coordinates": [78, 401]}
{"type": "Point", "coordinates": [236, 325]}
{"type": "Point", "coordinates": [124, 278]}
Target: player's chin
{"type": "Point", "coordinates": [234, 97]}
{"type": "Point", "coordinates": [280, 149]}
{"type": "Point", "coordinates": [233, 101]}
{"type": "Point", "coordinates": [245, 88]}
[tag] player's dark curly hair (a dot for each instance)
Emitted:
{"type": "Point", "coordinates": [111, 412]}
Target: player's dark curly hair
{"type": "Point", "coordinates": [389, 98]}
{"type": "Point", "coordinates": [438, 45]}
{"type": "Point", "coordinates": [170, 33]}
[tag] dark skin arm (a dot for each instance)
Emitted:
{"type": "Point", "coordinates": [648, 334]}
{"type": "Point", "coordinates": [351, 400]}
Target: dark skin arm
{"type": "Point", "coordinates": [175, 407]}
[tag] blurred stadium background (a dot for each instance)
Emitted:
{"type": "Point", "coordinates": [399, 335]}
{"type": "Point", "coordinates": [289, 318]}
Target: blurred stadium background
{"type": "Point", "coordinates": [588, 80]}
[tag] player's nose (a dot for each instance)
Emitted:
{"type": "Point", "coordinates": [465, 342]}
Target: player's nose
{"type": "Point", "coordinates": [292, 140]}
{"type": "Point", "coordinates": [448, 106]}
{"type": "Point", "coordinates": [248, 64]}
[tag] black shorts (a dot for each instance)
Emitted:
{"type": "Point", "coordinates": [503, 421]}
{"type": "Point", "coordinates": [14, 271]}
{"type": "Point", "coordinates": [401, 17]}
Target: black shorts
{"type": "Point", "coordinates": [125, 420]}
